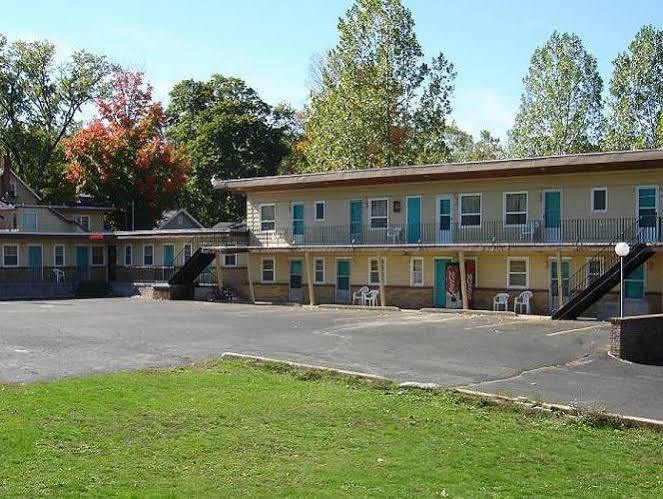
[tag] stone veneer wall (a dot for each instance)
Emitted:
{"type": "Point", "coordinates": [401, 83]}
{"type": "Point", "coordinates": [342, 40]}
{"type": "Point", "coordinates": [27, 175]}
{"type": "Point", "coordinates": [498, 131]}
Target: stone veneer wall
{"type": "Point", "coordinates": [638, 339]}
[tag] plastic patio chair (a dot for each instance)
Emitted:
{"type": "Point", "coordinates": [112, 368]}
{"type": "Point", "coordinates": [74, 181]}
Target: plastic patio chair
{"type": "Point", "coordinates": [59, 275]}
{"type": "Point", "coordinates": [371, 299]}
{"type": "Point", "coordinates": [359, 296]}
{"type": "Point", "coordinates": [501, 300]}
{"type": "Point", "coordinates": [522, 301]}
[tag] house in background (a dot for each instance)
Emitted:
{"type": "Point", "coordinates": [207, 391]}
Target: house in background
{"type": "Point", "coordinates": [455, 235]}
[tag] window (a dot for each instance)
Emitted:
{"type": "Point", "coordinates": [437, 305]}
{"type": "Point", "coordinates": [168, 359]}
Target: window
{"type": "Point", "coordinates": [148, 254]}
{"type": "Point", "coordinates": [378, 209]}
{"type": "Point", "coordinates": [83, 221]}
{"type": "Point", "coordinates": [373, 271]}
{"type": "Point", "coordinates": [634, 283]}
{"type": "Point", "coordinates": [268, 270]}
{"type": "Point", "coordinates": [470, 210]}
{"type": "Point", "coordinates": [10, 255]}
{"type": "Point", "coordinates": [30, 221]}
{"type": "Point", "coordinates": [230, 260]}
{"type": "Point", "coordinates": [58, 255]}
{"type": "Point", "coordinates": [417, 271]}
{"type": "Point", "coordinates": [319, 211]}
{"type": "Point", "coordinates": [187, 252]}
{"type": "Point", "coordinates": [600, 199]}
{"type": "Point", "coordinates": [319, 271]}
{"type": "Point", "coordinates": [594, 269]}
{"type": "Point", "coordinates": [515, 208]}
{"type": "Point", "coordinates": [267, 217]}
{"type": "Point", "coordinates": [128, 255]}
{"type": "Point", "coordinates": [97, 256]}
{"type": "Point", "coordinates": [12, 190]}
{"type": "Point", "coordinates": [517, 273]}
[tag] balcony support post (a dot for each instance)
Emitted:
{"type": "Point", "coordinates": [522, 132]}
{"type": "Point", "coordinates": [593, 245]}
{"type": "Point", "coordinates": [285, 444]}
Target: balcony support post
{"type": "Point", "coordinates": [309, 280]}
{"type": "Point", "coordinates": [463, 280]}
{"type": "Point", "coordinates": [383, 298]}
{"type": "Point", "coordinates": [560, 281]}
{"type": "Point", "coordinates": [219, 270]}
{"type": "Point", "coordinates": [250, 277]}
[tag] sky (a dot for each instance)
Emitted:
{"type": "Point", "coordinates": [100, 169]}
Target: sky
{"type": "Point", "coordinates": [270, 43]}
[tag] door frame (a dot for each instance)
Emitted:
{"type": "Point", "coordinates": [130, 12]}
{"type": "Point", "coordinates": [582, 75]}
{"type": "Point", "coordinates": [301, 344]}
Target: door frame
{"type": "Point", "coordinates": [41, 257]}
{"type": "Point", "coordinates": [361, 221]}
{"type": "Point", "coordinates": [553, 260]}
{"type": "Point", "coordinates": [301, 288]}
{"type": "Point", "coordinates": [292, 218]}
{"type": "Point", "coordinates": [561, 213]}
{"type": "Point", "coordinates": [656, 206]}
{"type": "Point", "coordinates": [349, 260]}
{"type": "Point", "coordinates": [448, 259]}
{"type": "Point", "coordinates": [407, 216]}
{"type": "Point", "coordinates": [86, 271]}
{"type": "Point", "coordinates": [439, 198]}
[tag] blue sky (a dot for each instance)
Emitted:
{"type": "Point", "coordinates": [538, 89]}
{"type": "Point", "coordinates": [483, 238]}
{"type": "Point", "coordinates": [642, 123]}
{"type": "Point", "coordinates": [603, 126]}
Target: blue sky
{"type": "Point", "coordinates": [269, 43]}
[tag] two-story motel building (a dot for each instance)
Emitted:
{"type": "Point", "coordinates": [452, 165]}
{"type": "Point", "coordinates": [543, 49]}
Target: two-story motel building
{"type": "Point", "coordinates": [504, 226]}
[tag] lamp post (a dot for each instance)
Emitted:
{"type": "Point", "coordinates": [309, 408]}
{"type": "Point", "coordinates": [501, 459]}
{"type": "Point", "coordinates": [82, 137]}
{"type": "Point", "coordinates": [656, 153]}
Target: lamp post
{"type": "Point", "coordinates": [622, 249]}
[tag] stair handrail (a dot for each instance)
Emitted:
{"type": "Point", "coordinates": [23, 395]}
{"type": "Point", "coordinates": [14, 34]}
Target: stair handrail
{"type": "Point", "coordinates": [579, 280]}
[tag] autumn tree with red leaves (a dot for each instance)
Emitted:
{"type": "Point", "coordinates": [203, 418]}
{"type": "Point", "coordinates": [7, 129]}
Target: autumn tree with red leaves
{"type": "Point", "coordinates": [123, 156]}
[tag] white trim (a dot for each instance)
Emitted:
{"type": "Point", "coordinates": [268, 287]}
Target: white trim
{"type": "Point", "coordinates": [181, 210]}
{"type": "Point", "coordinates": [510, 259]}
{"type": "Point", "coordinates": [423, 271]}
{"type": "Point", "coordinates": [148, 264]}
{"type": "Point", "coordinates": [64, 258]}
{"type": "Point", "coordinates": [591, 199]}
{"type": "Point", "coordinates": [637, 198]}
{"type": "Point", "coordinates": [18, 256]}
{"type": "Point", "coordinates": [370, 214]}
{"type": "Point", "coordinates": [131, 256]}
{"type": "Point", "coordinates": [461, 195]}
{"type": "Point", "coordinates": [23, 213]}
{"type": "Point", "coordinates": [225, 264]}
{"type": "Point", "coordinates": [262, 271]}
{"type": "Point", "coordinates": [103, 256]}
{"type": "Point", "coordinates": [324, 270]}
{"type": "Point", "coordinates": [315, 211]}
{"type": "Point", "coordinates": [79, 220]}
{"type": "Point", "coordinates": [526, 212]}
{"type": "Point", "coordinates": [260, 206]}
{"type": "Point", "coordinates": [384, 267]}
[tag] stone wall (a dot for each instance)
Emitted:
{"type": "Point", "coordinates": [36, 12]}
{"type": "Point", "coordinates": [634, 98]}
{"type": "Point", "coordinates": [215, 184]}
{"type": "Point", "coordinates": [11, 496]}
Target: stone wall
{"type": "Point", "coordinates": [638, 339]}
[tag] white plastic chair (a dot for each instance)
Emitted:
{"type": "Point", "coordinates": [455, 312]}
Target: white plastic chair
{"type": "Point", "coordinates": [359, 296]}
{"type": "Point", "coordinates": [501, 300]}
{"type": "Point", "coordinates": [371, 299]}
{"type": "Point", "coordinates": [522, 302]}
{"type": "Point", "coordinates": [59, 275]}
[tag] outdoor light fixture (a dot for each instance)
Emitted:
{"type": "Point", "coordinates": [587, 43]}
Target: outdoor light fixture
{"type": "Point", "coordinates": [622, 249]}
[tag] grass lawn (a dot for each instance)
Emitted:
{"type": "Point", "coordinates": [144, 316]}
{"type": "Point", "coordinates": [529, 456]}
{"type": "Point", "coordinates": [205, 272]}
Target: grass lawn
{"type": "Point", "coordinates": [235, 428]}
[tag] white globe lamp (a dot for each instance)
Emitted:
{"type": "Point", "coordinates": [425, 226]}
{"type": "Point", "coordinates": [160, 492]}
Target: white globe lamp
{"type": "Point", "coordinates": [622, 249]}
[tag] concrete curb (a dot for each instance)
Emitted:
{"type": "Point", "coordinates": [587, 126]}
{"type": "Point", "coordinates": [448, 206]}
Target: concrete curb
{"type": "Point", "coordinates": [517, 402]}
{"type": "Point", "coordinates": [357, 307]}
{"type": "Point", "coordinates": [462, 311]}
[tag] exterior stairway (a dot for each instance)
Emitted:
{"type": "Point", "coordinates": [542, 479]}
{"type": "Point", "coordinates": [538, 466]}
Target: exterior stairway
{"type": "Point", "coordinates": [585, 288]}
{"type": "Point", "coordinates": [191, 269]}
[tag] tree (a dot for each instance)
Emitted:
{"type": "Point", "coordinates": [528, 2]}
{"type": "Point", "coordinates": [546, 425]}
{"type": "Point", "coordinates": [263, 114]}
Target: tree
{"type": "Point", "coordinates": [375, 101]}
{"type": "Point", "coordinates": [122, 157]}
{"type": "Point", "coordinates": [228, 132]}
{"type": "Point", "coordinates": [636, 94]}
{"type": "Point", "coordinates": [463, 147]}
{"type": "Point", "coordinates": [39, 102]}
{"type": "Point", "coordinates": [560, 109]}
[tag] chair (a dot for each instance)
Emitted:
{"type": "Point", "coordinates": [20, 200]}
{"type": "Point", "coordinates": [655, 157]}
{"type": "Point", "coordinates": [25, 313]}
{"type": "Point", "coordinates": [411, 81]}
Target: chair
{"type": "Point", "coordinates": [59, 275]}
{"type": "Point", "coordinates": [501, 300]}
{"type": "Point", "coordinates": [359, 296]}
{"type": "Point", "coordinates": [371, 298]}
{"type": "Point", "coordinates": [522, 302]}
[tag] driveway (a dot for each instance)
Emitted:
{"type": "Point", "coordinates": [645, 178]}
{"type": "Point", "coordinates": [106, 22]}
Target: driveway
{"type": "Point", "coordinates": [550, 360]}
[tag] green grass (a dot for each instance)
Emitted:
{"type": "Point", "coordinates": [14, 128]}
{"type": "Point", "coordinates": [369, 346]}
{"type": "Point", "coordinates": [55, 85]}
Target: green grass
{"type": "Point", "coordinates": [234, 428]}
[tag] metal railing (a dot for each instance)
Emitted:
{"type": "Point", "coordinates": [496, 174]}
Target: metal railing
{"type": "Point", "coordinates": [575, 231]}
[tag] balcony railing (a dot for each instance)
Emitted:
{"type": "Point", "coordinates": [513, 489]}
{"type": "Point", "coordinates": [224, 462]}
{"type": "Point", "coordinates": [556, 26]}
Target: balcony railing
{"type": "Point", "coordinates": [574, 231]}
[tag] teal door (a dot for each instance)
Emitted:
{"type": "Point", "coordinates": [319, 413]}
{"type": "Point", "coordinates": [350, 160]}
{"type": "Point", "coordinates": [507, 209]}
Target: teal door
{"type": "Point", "coordinates": [552, 215]}
{"type": "Point", "coordinates": [298, 221]}
{"type": "Point", "coordinates": [342, 281]}
{"type": "Point", "coordinates": [647, 212]}
{"type": "Point", "coordinates": [444, 220]}
{"type": "Point", "coordinates": [440, 282]}
{"type": "Point", "coordinates": [82, 261]}
{"type": "Point", "coordinates": [634, 283]}
{"type": "Point", "coordinates": [355, 220]}
{"type": "Point", "coordinates": [413, 220]}
{"type": "Point", "coordinates": [35, 263]}
{"type": "Point", "coordinates": [168, 255]}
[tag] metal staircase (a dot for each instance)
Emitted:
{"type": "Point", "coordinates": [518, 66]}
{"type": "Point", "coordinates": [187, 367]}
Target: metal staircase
{"type": "Point", "coordinates": [192, 268]}
{"type": "Point", "coordinates": [586, 288]}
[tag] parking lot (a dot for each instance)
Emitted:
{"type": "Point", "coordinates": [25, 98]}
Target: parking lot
{"type": "Point", "coordinates": [556, 361]}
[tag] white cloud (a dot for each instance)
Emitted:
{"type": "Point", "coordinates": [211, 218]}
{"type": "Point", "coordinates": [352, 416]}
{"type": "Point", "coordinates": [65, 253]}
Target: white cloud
{"type": "Point", "coordinates": [484, 108]}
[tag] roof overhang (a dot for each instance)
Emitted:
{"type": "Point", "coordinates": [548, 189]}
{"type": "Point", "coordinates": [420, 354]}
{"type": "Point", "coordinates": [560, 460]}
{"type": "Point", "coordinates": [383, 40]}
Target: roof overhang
{"type": "Point", "coordinates": [577, 163]}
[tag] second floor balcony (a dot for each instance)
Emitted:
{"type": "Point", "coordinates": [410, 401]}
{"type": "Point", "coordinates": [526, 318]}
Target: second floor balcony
{"type": "Point", "coordinates": [565, 231]}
